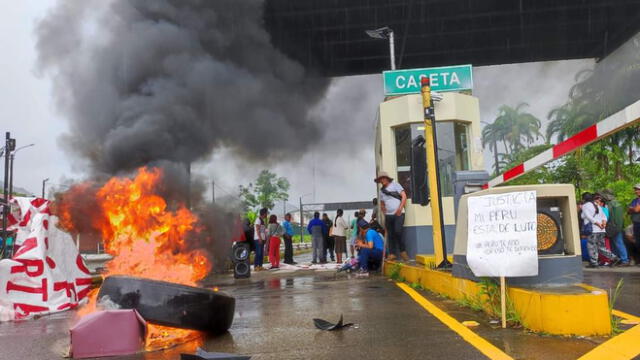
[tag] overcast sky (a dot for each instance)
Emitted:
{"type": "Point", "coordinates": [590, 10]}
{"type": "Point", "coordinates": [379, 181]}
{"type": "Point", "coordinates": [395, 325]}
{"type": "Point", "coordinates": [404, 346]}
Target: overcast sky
{"type": "Point", "coordinates": [339, 169]}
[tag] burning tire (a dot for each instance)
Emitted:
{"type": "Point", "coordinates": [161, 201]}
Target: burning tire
{"type": "Point", "coordinates": [170, 304]}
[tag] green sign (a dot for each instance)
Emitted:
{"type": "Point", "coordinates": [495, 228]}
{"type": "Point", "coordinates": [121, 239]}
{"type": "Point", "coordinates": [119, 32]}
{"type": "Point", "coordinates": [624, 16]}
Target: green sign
{"type": "Point", "coordinates": [446, 78]}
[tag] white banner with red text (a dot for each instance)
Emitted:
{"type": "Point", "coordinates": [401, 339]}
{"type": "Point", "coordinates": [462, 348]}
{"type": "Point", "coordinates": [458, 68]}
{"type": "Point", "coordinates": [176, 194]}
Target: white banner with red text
{"type": "Point", "coordinates": [46, 273]}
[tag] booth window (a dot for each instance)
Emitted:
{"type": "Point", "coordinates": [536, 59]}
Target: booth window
{"type": "Point", "coordinates": [403, 138]}
{"type": "Point", "coordinates": [462, 145]}
{"type": "Point", "coordinates": [453, 152]}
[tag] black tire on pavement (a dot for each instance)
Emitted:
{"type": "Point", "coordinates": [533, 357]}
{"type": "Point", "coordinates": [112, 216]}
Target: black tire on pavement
{"type": "Point", "coordinates": [171, 304]}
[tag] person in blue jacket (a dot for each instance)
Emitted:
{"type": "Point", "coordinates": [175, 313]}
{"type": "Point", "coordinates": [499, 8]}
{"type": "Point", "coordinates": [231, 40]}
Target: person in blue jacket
{"type": "Point", "coordinates": [370, 248]}
{"type": "Point", "coordinates": [317, 228]}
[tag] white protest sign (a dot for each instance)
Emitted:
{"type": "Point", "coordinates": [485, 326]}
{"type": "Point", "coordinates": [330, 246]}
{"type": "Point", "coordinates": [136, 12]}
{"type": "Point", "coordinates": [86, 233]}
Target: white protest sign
{"type": "Point", "coordinates": [502, 234]}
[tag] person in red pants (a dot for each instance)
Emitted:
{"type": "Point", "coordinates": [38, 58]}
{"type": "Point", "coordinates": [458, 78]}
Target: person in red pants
{"type": "Point", "coordinates": [275, 231]}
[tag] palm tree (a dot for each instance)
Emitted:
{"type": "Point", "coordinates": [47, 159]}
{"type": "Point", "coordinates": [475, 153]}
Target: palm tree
{"type": "Point", "coordinates": [599, 92]}
{"type": "Point", "coordinates": [517, 125]}
{"type": "Point", "coordinates": [491, 135]}
{"type": "Point", "coordinates": [612, 83]}
{"type": "Point", "coordinates": [512, 127]}
{"type": "Point", "coordinates": [567, 120]}
{"type": "Point", "coordinates": [510, 160]}
{"type": "Point", "coordinates": [630, 142]}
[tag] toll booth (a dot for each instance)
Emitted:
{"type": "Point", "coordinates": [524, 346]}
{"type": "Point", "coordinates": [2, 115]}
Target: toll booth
{"type": "Point", "coordinates": [399, 130]}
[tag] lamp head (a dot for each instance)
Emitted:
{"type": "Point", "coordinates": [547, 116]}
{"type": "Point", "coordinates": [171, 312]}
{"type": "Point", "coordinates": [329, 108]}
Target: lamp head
{"type": "Point", "coordinates": [381, 33]}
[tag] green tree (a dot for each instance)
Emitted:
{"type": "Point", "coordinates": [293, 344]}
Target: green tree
{"type": "Point", "coordinates": [518, 126]}
{"type": "Point", "coordinates": [537, 176]}
{"type": "Point", "coordinates": [491, 135]}
{"type": "Point", "coordinates": [611, 85]}
{"type": "Point", "coordinates": [268, 189]}
{"type": "Point", "coordinates": [567, 120]}
{"type": "Point", "coordinates": [630, 142]}
{"type": "Point", "coordinates": [514, 128]}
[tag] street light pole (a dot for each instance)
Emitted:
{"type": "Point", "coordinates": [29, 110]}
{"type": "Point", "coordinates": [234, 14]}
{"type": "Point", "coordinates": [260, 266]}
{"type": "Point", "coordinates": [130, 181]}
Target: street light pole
{"type": "Point", "coordinates": [11, 174]}
{"type": "Point", "coordinates": [301, 221]}
{"type": "Point", "coordinates": [392, 51]}
{"type": "Point", "coordinates": [302, 218]}
{"type": "Point", "coordinates": [44, 182]}
{"type": "Point", "coordinates": [13, 153]}
{"type": "Point", "coordinates": [385, 33]}
{"type": "Point", "coordinates": [9, 146]}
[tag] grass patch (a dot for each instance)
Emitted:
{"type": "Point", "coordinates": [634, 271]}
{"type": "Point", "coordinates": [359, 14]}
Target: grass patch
{"type": "Point", "coordinates": [416, 285]}
{"type": "Point", "coordinates": [490, 299]}
{"type": "Point", "coordinates": [395, 273]}
{"type": "Point", "coordinates": [613, 297]}
{"type": "Point", "coordinates": [473, 302]}
{"type": "Point", "coordinates": [487, 300]}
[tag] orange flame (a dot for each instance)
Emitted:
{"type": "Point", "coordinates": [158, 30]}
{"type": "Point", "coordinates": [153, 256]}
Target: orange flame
{"type": "Point", "coordinates": [146, 239]}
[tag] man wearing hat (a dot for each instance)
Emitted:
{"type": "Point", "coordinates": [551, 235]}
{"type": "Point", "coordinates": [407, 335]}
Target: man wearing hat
{"type": "Point", "coordinates": [392, 201]}
{"type": "Point", "coordinates": [615, 226]}
{"type": "Point", "coordinates": [634, 212]}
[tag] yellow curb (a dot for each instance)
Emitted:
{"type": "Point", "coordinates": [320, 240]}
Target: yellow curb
{"type": "Point", "coordinates": [469, 336]}
{"type": "Point", "coordinates": [624, 315]}
{"type": "Point", "coordinates": [581, 313]}
{"type": "Point", "coordinates": [623, 346]}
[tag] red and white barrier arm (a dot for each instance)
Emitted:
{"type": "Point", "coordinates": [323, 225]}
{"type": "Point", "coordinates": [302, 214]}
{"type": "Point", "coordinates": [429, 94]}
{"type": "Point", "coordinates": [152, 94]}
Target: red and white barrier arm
{"type": "Point", "coordinates": [614, 123]}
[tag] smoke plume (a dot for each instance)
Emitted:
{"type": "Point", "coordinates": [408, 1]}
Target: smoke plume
{"type": "Point", "coordinates": [169, 80]}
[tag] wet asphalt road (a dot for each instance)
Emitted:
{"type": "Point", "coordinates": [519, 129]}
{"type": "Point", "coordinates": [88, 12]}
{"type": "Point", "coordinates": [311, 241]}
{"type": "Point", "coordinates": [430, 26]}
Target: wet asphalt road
{"type": "Point", "coordinates": [274, 314]}
{"type": "Point", "coordinates": [274, 321]}
{"type": "Point", "coordinates": [606, 278]}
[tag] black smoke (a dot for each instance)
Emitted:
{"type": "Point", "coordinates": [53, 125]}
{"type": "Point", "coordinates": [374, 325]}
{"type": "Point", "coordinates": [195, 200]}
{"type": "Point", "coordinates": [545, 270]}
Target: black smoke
{"type": "Point", "coordinates": [163, 83]}
{"type": "Point", "coordinates": [169, 80]}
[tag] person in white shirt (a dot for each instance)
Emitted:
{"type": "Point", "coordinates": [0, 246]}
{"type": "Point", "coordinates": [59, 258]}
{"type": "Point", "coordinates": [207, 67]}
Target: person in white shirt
{"type": "Point", "coordinates": [595, 221]}
{"type": "Point", "coordinates": [340, 234]}
{"type": "Point", "coordinates": [259, 239]}
{"type": "Point", "coordinates": [393, 198]}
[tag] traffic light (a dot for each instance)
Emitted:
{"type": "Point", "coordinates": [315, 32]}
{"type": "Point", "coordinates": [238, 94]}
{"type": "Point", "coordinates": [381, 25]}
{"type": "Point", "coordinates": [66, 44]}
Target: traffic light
{"type": "Point", "coordinates": [419, 180]}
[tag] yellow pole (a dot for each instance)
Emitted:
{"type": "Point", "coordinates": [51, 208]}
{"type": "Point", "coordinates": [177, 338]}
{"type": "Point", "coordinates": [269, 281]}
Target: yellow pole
{"type": "Point", "coordinates": [439, 246]}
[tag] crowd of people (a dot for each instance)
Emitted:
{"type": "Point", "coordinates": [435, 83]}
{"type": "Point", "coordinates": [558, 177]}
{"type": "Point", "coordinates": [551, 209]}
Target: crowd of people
{"type": "Point", "coordinates": [267, 234]}
{"type": "Point", "coordinates": [366, 237]}
{"type": "Point", "coordinates": [605, 239]}
{"type": "Point", "coordinates": [366, 245]}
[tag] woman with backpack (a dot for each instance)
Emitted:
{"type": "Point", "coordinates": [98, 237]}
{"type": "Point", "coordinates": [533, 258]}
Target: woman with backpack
{"type": "Point", "coordinates": [594, 223]}
{"type": "Point", "coordinates": [340, 235]}
{"type": "Point", "coordinates": [274, 232]}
